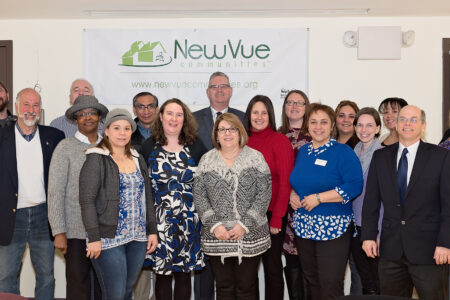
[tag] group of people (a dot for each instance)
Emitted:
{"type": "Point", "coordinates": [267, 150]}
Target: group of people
{"type": "Point", "coordinates": [217, 191]}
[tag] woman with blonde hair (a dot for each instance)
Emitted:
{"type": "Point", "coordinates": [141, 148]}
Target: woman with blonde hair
{"type": "Point", "coordinates": [232, 192]}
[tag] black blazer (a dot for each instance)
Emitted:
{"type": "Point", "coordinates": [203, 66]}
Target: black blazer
{"type": "Point", "coordinates": [423, 222]}
{"type": "Point", "coordinates": [50, 137]}
{"type": "Point", "coordinates": [205, 123]}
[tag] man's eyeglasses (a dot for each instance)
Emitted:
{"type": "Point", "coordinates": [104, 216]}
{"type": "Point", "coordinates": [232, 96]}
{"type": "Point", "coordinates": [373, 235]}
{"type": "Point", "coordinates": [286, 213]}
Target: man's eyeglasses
{"type": "Point", "coordinates": [148, 106]}
{"type": "Point", "coordinates": [92, 113]}
{"type": "Point", "coordinates": [231, 130]}
{"type": "Point", "coordinates": [293, 103]}
{"type": "Point", "coordinates": [413, 120]}
{"type": "Point", "coordinates": [217, 86]}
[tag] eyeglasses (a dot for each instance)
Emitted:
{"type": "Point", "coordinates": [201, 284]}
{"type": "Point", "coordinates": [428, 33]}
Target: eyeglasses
{"type": "Point", "coordinates": [91, 113]}
{"type": "Point", "coordinates": [148, 106]}
{"type": "Point", "coordinates": [217, 86]}
{"type": "Point", "coordinates": [293, 103]}
{"type": "Point", "coordinates": [413, 120]}
{"type": "Point", "coordinates": [231, 130]}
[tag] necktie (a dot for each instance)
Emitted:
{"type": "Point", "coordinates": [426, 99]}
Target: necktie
{"type": "Point", "coordinates": [217, 115]}
{"type": "Point", "coordinates": [402, 172]}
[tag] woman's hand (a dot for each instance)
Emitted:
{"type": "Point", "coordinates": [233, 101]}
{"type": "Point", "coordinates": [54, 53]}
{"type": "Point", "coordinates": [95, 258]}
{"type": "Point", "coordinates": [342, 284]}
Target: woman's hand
{"type": "Point", "coordinates": [221, 233]}
{"type": "Point", "coordinates": [94, 250]}
{"type": "Point", "coordinates": [237, 232]}
{"type": "Point", "coordinates": [294, 200]}
{"type": "Point", "coordinates": [152, 242]}
{"type": "Point", "coordinates": [309, 202]}
{"type": "Point", "coordinates": [61, 243]}
{"type": "Point", "coordinates": [274, 230]}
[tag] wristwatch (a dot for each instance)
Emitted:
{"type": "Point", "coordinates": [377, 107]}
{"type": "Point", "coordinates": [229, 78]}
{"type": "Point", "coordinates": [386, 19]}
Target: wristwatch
{"type": "Point", "coordinates": [318, 198]}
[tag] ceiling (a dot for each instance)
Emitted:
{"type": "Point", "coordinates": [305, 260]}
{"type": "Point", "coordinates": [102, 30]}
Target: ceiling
{"type": "Point", "coordinates": [76, 9]}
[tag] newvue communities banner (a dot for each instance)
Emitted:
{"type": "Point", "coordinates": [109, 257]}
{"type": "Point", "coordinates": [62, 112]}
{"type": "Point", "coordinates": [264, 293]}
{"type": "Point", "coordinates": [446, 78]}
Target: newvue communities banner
{"type": "Point", "coordinates": [176, 63]}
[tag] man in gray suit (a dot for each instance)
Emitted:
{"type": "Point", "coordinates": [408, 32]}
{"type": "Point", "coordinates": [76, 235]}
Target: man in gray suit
{"type": "Point", "coordinates": [219, 93]}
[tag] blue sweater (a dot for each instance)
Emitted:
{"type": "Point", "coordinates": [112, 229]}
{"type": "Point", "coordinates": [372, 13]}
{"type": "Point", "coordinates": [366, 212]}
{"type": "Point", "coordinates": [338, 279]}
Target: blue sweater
{"type": "Point", "coordinates": [332, 166]}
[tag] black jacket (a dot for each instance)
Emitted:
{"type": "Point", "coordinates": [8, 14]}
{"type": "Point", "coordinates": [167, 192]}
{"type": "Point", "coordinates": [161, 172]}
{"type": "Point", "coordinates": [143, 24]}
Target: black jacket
{"type": "Point", "coordinates": [9, 187]}
{"type": "Point", "coordinates": [137, 139]}
{"type": "Point", "coordinates": [197, 149]}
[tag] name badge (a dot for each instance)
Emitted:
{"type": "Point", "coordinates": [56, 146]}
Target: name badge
{"type": "Point", "coordinates": [320, 162]}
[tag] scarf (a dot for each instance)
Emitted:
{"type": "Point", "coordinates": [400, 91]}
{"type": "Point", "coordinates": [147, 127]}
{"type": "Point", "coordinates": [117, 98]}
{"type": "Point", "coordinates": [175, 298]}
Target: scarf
{"type": "Point", "coordinates": [366, 157]}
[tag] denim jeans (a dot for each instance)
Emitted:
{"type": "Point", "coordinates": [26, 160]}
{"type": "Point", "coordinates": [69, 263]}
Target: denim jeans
{"type": "Point", "coordinates": [118, 268]}
{"type": "Point", "coordinates": [31, 226]}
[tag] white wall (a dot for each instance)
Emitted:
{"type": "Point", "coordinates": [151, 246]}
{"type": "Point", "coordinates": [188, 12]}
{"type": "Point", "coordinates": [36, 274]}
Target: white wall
{"type": "Point", "coordinates": [50, 52]}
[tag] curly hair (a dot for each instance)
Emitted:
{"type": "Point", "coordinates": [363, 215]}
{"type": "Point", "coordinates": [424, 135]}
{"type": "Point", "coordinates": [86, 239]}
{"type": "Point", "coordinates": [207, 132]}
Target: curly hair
{"type": "Point", "coordinates": [188, 132]}
{"type": "Point", "coordinates": [314, 108]}
{"type": "Point", "coordinates": [284, 128]}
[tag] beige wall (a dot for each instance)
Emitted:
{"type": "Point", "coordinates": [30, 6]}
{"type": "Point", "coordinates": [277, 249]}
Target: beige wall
{"type": "Point", "coordinates": [50, 52]}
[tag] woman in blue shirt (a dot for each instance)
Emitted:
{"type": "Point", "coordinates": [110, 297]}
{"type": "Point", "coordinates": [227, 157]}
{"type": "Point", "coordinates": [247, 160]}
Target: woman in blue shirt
{"type": "Point", "coordinates": [326, 177]}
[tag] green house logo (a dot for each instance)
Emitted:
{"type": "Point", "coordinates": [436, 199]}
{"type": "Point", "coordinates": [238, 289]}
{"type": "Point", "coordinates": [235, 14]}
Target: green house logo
{"type": "Point", "coordinates": [146, 55]}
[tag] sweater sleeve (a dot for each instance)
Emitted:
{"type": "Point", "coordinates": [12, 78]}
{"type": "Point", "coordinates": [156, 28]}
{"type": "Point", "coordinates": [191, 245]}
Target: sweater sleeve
{"type": "Point", "coordinates": [284, 165]}
{"type": "Point", "coordinates": [201, 199]}
{"type": "Point", "coordinates": [351, 174]}
{"type": "Point", "coordinates": [256, 214]}
{"type": "Point", "coordinates": [57, 184]}
{"type": "Point", "coordinates": [90, 182]}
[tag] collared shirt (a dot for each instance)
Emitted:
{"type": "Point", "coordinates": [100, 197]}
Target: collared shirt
{"type": "Point", "coordinates": [145, 132]}
{"type": "Point", "coordinates": [214, 113]}
{"type": "Point", "coordinates": [84, 139]}
{"type": "Point", "coordinates": [67, 126]}
{"type": "Point", "coordinates": [410, 156]}
{"type": "Point", "coordinates": [27, 137]}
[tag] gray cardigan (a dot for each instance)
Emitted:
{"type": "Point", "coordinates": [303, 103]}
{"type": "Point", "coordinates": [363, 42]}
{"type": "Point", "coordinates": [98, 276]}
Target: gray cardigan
{"type": "Point", "coordinates": [99, 194]}
{"type": "Point", "coordinates": [226, 196]}
{"type": "Point", "coordinates": [64, 213]}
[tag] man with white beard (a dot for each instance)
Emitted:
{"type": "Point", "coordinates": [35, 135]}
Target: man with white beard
{"type": "Point", "coordinates": [6, 118]}
{"type": "Point", "coordinates": [25, 152]}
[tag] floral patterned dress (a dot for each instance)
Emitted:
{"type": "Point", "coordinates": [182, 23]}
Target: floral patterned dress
{"type": "Point", "coordinates": [298, 139]}
{"type": "Point", "coordinates": [172, 176]}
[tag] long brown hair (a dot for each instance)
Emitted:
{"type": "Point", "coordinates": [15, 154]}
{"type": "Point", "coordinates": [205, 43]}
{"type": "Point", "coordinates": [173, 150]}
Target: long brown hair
{"type": "Point", "coordinates": [188, 132]}
{"type": "Point", "coordinates": [341, 104]}
{"type": "Point", "coordinates": [285, 126]}
{"type": "Point", "coordinates": [270, 111]}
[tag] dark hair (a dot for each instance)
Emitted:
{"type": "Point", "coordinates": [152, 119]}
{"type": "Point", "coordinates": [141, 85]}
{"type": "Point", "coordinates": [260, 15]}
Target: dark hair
{"type": "Point", "coordinates": [104, 143]}
{"type": "Point", "coordinates": [233, 120]}
{"type": "Point", "coordinates": [371, 112]}
{"type": "Point", "coordinates": [392, 102]}
{"type": "Point", "coordinates": [284, 128]}
{"type": "Point", "coordinates": [4, 86]}
{"type": "Point", "coordinates": [315, 107]}
{"type": "Point", "coordinates": [144, 94]}
{"type": "Point", "coordinates": [269, 107]}
{"type": "Point", "coordinates": [341, 104]}
{"type": "Point", "coordinates": [188, 133]}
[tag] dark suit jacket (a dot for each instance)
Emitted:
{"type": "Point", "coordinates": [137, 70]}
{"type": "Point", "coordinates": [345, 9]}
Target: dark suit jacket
{"type": "Point", "coordinates": [136, 138]}
{"type": "Point", "coordinates": [423, 221]}
{"type": "Point", "coordinates": [205, 123]}
{"type": "Point", "coordinates": [9, 188]}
